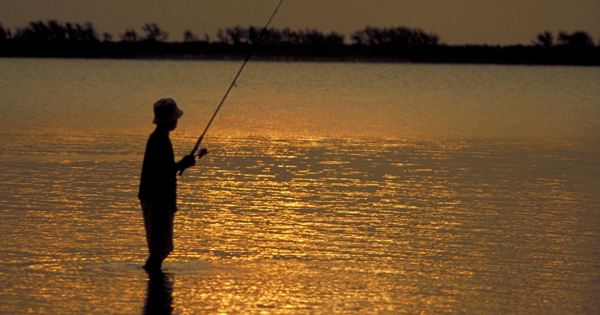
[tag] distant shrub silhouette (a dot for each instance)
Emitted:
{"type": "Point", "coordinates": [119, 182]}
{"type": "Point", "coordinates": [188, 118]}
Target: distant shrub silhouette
{"type": "Point", "coordinates": [55, 31]}
{"type": "Point", "coordinates": [314, 37]}
{"type": "Point", "coordinates": [130, 35]}
{"type": "Point", "coordinates": [154, 33]}
{"type": "Point", "coordinates": [189, 37]}
{"type": "Point", "coordinates": [85, 33]}
{"type": "Point", "coordinates": [238, 35]}
{"type": "Point", "coordinates": [575, 39]}
{"type": "Point", "coordinates": [399, 36]}
{"type": "Point", "coordinates": [545, 39]}
{"type": "Point", "coordinates": [107, 37]}
{"type": "Point", "coordinates": [4, 33]}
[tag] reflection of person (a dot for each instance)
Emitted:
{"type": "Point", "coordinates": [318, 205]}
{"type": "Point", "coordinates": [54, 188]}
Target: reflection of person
{"type": "Point", "coordinates": [159, 295]}
{"type": "Point", "coordinates": [158, 184]}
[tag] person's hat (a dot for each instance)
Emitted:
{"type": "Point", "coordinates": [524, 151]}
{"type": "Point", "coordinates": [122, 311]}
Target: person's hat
{"type": "Point", "coordinates": [166, 111]}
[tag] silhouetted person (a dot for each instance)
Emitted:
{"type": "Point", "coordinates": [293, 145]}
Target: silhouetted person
{"type": "Point", "coordinates": [158, 184]}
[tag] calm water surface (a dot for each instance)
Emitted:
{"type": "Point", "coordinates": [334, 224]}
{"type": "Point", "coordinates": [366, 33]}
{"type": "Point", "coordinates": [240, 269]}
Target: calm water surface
{"type": "Point", "coordinates": [329, 188]}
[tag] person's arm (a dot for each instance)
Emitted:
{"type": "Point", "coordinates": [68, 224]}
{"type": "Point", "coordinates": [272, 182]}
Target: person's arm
{"type": "Point", "coordinates": [189, 161]}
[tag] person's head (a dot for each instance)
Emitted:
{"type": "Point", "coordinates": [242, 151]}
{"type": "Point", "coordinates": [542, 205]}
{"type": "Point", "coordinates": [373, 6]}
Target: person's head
{"type": "Point", "coordinates": [166, 113]}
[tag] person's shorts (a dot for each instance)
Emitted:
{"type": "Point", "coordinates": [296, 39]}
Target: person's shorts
{"type": "Point", "coordinates": [158, 221]}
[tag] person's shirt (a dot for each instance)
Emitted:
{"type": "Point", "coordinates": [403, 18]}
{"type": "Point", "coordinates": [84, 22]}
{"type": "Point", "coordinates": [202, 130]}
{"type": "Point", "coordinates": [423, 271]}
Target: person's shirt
{"type": "Point", "coordinates": [158, 180]}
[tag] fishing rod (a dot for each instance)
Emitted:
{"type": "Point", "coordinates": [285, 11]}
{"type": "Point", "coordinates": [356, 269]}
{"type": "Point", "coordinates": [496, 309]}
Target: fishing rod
{"type": "Point", "coordinates": [262, 34]}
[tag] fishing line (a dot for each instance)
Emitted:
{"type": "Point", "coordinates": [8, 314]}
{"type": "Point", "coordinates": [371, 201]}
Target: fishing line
{"type": "Point", "coordinates": [262, 34]}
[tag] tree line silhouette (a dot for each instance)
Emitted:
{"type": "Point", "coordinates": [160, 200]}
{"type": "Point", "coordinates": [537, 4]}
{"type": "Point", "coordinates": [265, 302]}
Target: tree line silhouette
{"type": "Point", "coordinates": [395, 44]}
{"type": "Point", "coordinates": [575, 39]}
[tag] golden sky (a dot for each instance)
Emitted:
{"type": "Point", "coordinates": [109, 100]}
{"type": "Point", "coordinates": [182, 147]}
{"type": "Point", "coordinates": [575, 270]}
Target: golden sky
{"type": "Point", "coordinates": [492, 22]}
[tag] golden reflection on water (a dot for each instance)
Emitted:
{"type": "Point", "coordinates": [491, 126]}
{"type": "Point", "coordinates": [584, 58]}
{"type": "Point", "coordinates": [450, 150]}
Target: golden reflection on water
{"type": "Point", "coordinates": [428, 227]}
{"type": "Point", "coordinates": [313, 226]}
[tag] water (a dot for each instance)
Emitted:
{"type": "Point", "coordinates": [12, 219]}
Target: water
{"type": "Point", "coordinates": [329, 188]}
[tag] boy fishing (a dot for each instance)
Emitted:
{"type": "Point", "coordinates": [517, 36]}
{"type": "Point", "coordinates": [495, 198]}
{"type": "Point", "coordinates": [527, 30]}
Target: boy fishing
{"type": "Point", "coordinates": [158, 183]}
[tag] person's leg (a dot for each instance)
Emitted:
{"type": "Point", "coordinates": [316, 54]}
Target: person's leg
{"type": "Point", "coordinates": [150, 263]}
{"type": "Point", "coordinates": [158, 223]}
{"type": "Point", "coordinates": [154, 261]}
{"type": "Point", "coordinates": [146, 210]}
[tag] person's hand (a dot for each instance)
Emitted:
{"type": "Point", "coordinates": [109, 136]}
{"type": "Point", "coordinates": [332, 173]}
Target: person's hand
{"type": "Point", "coordinates": [202, 153]}
{"type": "Point", "coordinates": [188, 161]}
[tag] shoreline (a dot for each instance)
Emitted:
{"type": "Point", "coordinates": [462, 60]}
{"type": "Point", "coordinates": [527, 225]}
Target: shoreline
{"type": "Point", "coordinates": [433, 54]}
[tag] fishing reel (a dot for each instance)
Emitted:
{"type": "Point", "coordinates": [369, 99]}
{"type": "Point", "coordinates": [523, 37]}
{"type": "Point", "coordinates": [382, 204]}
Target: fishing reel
{"type": "Point", "coordinates": [202, 153]}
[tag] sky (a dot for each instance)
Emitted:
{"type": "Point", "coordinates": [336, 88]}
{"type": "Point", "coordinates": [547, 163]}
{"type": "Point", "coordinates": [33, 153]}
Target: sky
{"type": "Point", "coordinates": [456, 22]}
